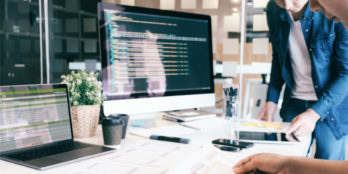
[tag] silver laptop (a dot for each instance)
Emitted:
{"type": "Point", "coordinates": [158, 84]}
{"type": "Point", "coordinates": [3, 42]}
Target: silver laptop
{"type": "Point", "coordinates": [35, 127]}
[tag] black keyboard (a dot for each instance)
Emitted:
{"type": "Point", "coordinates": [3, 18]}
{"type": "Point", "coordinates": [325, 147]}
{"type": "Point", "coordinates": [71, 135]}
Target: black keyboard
{"type": "Point", "coordinates": [46, 151]}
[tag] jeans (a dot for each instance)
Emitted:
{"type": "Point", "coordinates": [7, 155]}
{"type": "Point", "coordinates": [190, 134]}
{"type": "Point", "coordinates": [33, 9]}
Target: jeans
{"type": "Point", "coordinates": [328, 146]}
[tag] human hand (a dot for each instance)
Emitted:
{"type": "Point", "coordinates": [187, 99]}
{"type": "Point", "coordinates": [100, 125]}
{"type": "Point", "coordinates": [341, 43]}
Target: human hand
{"type": "Point", "coordinates": [262, 162]}
{"type": "Point", "coordinates": [267, 112]}
{"type": "Point", "coordinates": [302, 125]}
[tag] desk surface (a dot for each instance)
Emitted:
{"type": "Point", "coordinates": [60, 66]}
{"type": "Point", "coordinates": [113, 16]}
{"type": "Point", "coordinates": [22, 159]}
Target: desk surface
{"type": "Point", "coordinates": [199, 139]}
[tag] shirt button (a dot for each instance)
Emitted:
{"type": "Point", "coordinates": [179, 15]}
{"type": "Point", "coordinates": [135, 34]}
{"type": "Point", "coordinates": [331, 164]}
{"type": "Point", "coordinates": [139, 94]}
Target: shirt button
{"type": "Point", "coordinates": [307, 30]}
{"type": "Point", "coordinates": [332, 119]}
{"type": "Point", "coordinates": [316, 86]}
{"type": "Point", "coordinates": [310, 50]}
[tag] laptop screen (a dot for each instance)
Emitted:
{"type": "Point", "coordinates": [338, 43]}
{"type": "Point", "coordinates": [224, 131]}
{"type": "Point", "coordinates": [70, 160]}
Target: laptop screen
{"type": "Point", "coordinates": [32, 115]}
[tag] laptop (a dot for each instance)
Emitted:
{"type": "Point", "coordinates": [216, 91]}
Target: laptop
{"type": "Point", "coordinates": [36, 129]}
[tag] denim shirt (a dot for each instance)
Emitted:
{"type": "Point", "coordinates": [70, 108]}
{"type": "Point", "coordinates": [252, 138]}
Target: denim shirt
{"type": "Point", "coordinates": [327, 43]}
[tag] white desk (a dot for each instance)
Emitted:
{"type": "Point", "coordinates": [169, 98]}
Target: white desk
{"type": "Point", "coordinates": [198, 138]}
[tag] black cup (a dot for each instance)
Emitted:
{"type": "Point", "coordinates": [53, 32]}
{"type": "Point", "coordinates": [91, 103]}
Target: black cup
{"type": "Point", "coordinates": [124, 119]}
{"type": "Point", "coordinates": [112, 130]}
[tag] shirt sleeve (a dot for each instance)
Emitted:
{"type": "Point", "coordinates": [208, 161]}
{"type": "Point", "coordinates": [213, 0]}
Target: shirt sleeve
{"type": "Point", "coordinates": [276, 80]}
{"type": "Point", "coordinates": [336, 91]}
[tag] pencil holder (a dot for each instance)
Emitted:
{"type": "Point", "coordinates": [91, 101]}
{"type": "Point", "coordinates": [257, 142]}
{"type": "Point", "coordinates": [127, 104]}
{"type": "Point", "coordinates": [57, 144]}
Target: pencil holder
{"type": "Point", "coordinates": [231, 110]}
{"type": "Point", "coordinates": [231, 102]}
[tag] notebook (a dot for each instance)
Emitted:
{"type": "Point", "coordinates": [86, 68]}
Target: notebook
{"type": "Point", "coordinates": [36, 129]}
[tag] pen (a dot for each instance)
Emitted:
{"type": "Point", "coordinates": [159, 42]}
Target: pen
{"type": "Point", "coordinates": [294, 137]}
{"type": "Point", "coordinates": [171, 139]}
{"type": "Point", "coordinates": [190, 127]}
{"type": "Point", "coordinates": [172, 119]}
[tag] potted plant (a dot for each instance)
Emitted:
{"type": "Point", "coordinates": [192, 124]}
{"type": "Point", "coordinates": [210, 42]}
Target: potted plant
{"type": "Point", "coordinates": [85, 97]}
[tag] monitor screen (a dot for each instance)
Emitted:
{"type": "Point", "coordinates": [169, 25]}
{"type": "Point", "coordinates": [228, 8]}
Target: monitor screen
{"type": "Point", "coordinates": [32, 115]}
{"type": "Point", "coordinates": [154, 53]}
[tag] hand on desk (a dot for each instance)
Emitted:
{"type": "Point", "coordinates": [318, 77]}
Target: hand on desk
{"type": "Point", "coordinates": [264, 162]}
{"type": "Point", "coordinates": [268, 111]}
{"type": "Point", "coordinates": [302, 125]}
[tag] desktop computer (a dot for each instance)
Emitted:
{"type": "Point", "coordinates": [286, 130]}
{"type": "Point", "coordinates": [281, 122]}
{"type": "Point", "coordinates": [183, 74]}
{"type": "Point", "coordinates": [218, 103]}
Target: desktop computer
{"type": "Point", "coordinates": [154, 60]}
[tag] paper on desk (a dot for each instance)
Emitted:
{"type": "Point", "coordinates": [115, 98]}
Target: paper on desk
{"type": "Point", "coordinates": [262, 126]}
{"type": "Point", "coordinates": [269, 125]}
{"type": "Point", "coordinates": [174, 130]}
{"type": "Point", "coordinates": [148, 157]}
{"type": "Point", "coordinates": [207, 160]}
{"type": "Point", "coordinates": [207, 124]}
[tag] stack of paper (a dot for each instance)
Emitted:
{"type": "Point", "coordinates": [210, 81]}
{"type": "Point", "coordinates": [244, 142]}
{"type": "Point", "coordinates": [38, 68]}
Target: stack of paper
{"type": "Point", "coordinates": [187, 115]}
{"type": "Point", "coordinates": [175, 130]}
{"type": "Point", "coordinates": [207, 124]}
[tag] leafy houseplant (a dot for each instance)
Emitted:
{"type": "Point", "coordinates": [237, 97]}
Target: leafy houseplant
{"type": "Point", "coordinates": [85, 98]}
{"type": "Point", "coordinates": [84, 88]}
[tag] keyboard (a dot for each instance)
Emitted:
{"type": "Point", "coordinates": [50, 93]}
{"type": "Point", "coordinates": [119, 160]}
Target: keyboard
{"type": "Point", "coordinates": [46, 151]}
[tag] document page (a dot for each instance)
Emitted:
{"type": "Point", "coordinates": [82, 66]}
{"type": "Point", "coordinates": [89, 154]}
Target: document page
{"type": "Point", "coordinates": [149, 157]}
{"type": "Point", "coordinates": [207, 160]}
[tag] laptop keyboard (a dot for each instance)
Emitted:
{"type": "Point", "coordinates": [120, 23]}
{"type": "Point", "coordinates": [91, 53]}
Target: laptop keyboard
{"type": "Point", "coordinates": [46, 151]}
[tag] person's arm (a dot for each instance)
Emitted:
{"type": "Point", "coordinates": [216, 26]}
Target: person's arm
{"type": "Point", "coordinates": [273, 163]}
{"type": "Point", "coordinates": [300, 165]}
{"type": "Point", "coordinates": [333, 95]}
{"type": "Point", "coordinates": [338, 89]}
{"type": "Point", "coordinates": [276, 80]}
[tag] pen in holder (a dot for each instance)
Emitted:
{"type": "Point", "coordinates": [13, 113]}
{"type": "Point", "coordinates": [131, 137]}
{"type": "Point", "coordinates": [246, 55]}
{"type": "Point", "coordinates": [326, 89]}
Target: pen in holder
{"type": "Point", "coordinates": [231, 109]}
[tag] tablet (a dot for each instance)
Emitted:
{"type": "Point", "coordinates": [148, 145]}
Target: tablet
{"type": "Point", "coordinates": [268, 137]}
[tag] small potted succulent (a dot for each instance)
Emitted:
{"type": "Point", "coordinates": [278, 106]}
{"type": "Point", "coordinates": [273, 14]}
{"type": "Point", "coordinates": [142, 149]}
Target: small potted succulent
{"type": "Point", "coordinates": [85, 95]}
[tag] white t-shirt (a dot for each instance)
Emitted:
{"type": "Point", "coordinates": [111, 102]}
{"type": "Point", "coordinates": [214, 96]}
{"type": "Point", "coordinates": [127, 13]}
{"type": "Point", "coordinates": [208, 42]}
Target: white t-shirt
{"type": "Point", "coordinates": [301, 63]}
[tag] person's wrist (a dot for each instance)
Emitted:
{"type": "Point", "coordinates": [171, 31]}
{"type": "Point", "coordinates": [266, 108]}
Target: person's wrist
{"type": "Point", "coordinates": [272, 106]}
{"type": "Point", "coordinates": [315, 115]}
{"type": "Point", "coordinates": [287, 165]}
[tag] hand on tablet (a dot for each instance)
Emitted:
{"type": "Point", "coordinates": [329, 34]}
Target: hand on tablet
{"type": "Point", "coordinates": [302, 125]}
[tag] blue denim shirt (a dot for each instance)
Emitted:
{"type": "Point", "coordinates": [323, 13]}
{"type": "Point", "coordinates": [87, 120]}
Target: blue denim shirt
{"type": "Point", "coordinates": [327, 43]}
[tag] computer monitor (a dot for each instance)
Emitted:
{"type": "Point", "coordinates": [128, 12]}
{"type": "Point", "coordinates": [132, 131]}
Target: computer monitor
{"type": "Point", "coordinates": [154, 60]}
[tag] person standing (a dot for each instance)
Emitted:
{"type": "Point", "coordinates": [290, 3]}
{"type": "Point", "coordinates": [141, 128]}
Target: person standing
{"type": "Point", "coordinates": [310, 56]}
{"type": "Point", "coordinates": [271, 163]}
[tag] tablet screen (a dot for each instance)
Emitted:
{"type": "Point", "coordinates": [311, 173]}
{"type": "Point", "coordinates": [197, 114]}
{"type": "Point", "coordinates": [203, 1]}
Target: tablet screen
{"type": "Point", "coordinates": [262, 136]}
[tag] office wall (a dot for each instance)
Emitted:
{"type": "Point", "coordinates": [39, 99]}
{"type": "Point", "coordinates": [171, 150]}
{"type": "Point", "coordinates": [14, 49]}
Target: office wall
{"type": "Point", "coordinates": [19, 42]}
{"type": "Point", "coordinates": [71, 36]}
